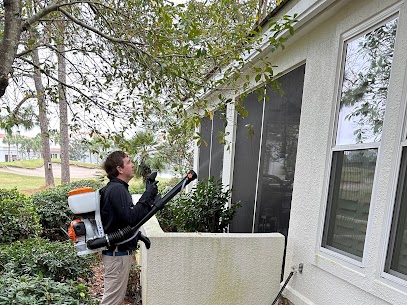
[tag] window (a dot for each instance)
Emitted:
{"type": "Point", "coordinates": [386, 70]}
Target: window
{"type": "Point", "coordinates": [349, 197]}
{"type": "Point", "coordinates": [396, 263]}
{"type": "Point", "coordinates": [365, 79]}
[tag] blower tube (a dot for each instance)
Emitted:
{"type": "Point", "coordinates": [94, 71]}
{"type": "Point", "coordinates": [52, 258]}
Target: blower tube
{"type": "Point", "coordinates": [123, 234]}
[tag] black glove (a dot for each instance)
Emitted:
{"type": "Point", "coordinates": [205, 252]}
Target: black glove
{"type": "Point", "coordinates": [150, 193]}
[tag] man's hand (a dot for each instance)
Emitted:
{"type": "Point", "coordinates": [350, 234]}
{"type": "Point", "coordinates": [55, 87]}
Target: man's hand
{"type": "Point", "coordinates": [152, 189]}
{"type": "Point", "coordinates": [150, 193]}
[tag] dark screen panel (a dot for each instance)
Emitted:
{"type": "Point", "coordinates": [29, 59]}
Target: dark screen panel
{"type": "Point", "coordinates": [279, 151]}
{"type": "Point", "coordinates": [204, 148]}
{"type": "Point", "coordinates": [246, 163]}
{"type": "Point", "coordinates": [217, 147]}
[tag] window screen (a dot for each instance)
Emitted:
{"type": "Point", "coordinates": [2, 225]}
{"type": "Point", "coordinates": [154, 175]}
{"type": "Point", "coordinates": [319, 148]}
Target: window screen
{"type": "Point", "coordinates": [205, 148]}
{"type": "Point", "coordinates": [217, 145]}
{"type": "Point", "coordinates": [278, 153]}
{"type": "Point", "coordinates": [247, 149]}
{"type": "Point", "coordinates": [211, 149]}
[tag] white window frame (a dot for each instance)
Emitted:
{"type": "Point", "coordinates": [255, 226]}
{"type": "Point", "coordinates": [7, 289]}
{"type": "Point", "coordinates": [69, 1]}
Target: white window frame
{"type": "Point", "coordinates": [395, 178]}
{"type": "Point", "coordinates": [365, 27]}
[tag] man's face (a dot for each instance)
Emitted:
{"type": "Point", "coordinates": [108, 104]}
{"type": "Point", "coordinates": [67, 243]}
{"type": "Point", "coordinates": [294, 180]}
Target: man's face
{"type": "Point", "coordinates": [127, 171]}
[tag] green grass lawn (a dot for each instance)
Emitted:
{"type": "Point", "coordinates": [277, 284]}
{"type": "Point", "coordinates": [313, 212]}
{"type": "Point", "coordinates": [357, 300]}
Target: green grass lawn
{"type": "Point", "coordinates": [24, 184]}
{"type": "Point", "coordinates": [30, 184]}
{"type": "Point", "coordinates": [31, 164]}
{"type": "Point", "coordinates": [36, 163]}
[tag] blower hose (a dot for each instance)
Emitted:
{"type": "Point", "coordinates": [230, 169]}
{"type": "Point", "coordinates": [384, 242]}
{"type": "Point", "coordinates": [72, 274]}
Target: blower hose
{"type": "Point", "coordinates": [111, 238]}
{"type": "Point", "coordinates": [282, 288]}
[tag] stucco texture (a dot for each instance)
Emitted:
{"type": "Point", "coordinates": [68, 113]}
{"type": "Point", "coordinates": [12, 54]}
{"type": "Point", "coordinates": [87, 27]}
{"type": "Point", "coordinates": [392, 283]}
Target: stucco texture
{"type": "Point", "coordinates": [210, 269]}
{"type": "Point", "coordinates": [329, 278]}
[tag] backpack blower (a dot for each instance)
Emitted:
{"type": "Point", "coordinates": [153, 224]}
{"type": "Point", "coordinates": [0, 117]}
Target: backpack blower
{"type": "Point", "coordinates": [87, 230]}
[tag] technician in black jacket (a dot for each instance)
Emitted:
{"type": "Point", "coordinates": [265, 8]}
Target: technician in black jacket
{"type": "Point", "coordinates": [117, 212]}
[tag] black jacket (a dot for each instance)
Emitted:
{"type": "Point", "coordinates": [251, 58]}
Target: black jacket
{"type": "Point", "coordinates": [118, 211]}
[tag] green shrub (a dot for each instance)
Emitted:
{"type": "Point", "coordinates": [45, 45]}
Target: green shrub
{"type": "Point", "coordinates": [96, 184]}
{"type": "Point", "coordinates": [55, 260]}
{"type": "Point", "coordinates": [168, 184]}
{"type": "Point", "coordinates": [167, 217]}
{"type": "Point", "coordinates": [18, 217]}
{"type": "Point", "coordinates": [204, 209]}
{"type": "Point", "coordinates": [52, 206]}
{"type": "Point", "coordinates": [163, 185]}
{"type": "Point", "coordinates": [37, 290]}
{"type": "Point", "coordinates": [137, 188]}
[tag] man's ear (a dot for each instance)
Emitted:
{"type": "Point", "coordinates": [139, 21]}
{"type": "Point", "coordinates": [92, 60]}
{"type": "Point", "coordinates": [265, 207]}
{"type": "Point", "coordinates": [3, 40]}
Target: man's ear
{"type": "Point", "coordinates": [120, 169]}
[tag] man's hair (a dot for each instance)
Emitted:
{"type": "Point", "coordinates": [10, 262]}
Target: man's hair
{"type": "Point", "coordinates": [114, 160]}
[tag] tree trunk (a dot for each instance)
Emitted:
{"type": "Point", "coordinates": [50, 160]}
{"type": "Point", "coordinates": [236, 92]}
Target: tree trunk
{"type": "Point", "coordinates": [63, 108]}
{"type": "Point", "coordinates": [42, 106]}
{"type": "Point", "coordinates": [9, 152]}
{"type": "Point", "coordinates": [262, 10]}
{"type": "Point", "coordinates": [9, 43]}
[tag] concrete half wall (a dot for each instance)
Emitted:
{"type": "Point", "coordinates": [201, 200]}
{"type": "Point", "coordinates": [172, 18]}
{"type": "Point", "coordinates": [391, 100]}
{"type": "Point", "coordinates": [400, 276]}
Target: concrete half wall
{"type": "Point", "coordinates": [210, 269]}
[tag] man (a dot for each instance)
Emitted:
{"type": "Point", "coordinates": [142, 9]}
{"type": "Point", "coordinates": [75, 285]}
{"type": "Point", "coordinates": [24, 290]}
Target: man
{"type": "Point", "coordinates": [117, 212]}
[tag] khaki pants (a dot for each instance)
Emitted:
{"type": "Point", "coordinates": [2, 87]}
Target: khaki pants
{"type": "Point", "coordinates": [117, 269]}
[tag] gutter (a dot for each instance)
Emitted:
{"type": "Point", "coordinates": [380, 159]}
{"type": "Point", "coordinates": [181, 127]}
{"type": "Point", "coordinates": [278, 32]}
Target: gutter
{"type": "Point", "coordinates": [272, 13]}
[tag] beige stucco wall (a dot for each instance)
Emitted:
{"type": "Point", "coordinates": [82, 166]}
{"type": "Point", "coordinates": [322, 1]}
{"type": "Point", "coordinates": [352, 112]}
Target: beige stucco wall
{"type": "Point", "coordinates": [210, 269]}
{"type": "Point", "coordinates": [329, 278]}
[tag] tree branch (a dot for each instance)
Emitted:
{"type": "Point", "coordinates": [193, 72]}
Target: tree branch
{"type": "Point", "coordinates": [56, 6]}
{"type": "Point", "coordinates": [96, 31]}
{"type": "Point", "coordinates": [55, 79]}
{"type": "Point", "coordinates": [18, 106]}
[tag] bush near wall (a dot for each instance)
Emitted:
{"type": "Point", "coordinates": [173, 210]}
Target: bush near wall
{"type": "Point", "coordinates": [18, 217]}
{"type": "Point", "coordinates": [35, 270]}
{"type": "Point", "coordinates": [52, 206]}
{"type": "Point", "coordinates": [37, 290]}
{"type": "Point", "coordinates": [55, 260]}
{"type": "Point", "coordinates": [204, 209]}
